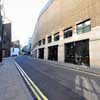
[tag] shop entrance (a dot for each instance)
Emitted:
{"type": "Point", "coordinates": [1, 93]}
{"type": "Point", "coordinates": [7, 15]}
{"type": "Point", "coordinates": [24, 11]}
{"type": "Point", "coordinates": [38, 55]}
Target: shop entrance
{"type": "Point", "coordinates": [77, 52]}
{"type": "Point", "coordinates": [53, 53]}
{"type": "Point", "coordinates": [41, 53]}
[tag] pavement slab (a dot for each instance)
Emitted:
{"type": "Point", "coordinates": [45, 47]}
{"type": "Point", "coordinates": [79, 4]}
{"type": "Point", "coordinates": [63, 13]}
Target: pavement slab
{"type": "Point", "coordinates": [12, 86]}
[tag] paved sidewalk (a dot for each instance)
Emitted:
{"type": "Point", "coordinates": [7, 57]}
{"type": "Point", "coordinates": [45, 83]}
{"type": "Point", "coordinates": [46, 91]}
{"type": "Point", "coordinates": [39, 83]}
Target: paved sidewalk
{"type": "Point", "coordinates": [90, 69]}
{"type": "Point", "coordinates": [12, 86]}
{"type": "Point", "coordinates": [94, 70]}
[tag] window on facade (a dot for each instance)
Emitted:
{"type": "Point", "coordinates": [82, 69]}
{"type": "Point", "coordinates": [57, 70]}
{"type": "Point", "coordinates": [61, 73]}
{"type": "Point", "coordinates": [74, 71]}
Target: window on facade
{"type": "Point", "coordinates": [84, 27]}
{"type": "Point", "coordinates": [5, 33]}
{"type": "Point", "coordinates": [68, 32]}
{"type": "Point", "coordinates": [49, 39]}
{"type": "Point", "coordinates": [56, 36]}
{"type": "Point", "coordinates": [39, 42]}
{"type": "Point", "coordinates": [43, 41]}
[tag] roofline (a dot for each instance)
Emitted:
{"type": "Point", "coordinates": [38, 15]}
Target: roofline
{"type": "Point", "coordinates": [47, 5]}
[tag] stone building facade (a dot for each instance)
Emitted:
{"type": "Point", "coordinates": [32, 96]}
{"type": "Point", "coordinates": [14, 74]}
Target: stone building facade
{"type": "Point", "coordinates": [68, 31]}
{"type": "Point", "coordinates": [6, 40]}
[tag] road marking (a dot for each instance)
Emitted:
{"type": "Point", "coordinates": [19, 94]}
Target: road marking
{"type": "Point", "coordinates": [35, 90]}
{"type": "Point", "coordinates": [35, 93]}
{"type": "Point", "coordinates": [86, 84]}
{"type": "Point", "coordinates": [87, 87]}
{"type": "Point", "coordinates": [77, 83]}
{"type": "Point", "coordinates": [95, 85]}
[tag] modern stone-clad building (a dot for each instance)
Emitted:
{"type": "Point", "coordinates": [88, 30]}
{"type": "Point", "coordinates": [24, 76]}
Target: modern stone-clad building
{"type": "Point", "coordinates": [0, 33]}
{"type": "Point", "coordinates": [68, 31]}
{"type": "Point", "coordinates": [6, 39]}
{"type": "Point", "coordinates": [0, 37]}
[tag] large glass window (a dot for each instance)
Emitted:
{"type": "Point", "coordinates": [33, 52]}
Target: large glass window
{"type": "Point", "coordinates": [43, 41]}
{"type": "Point", "coordinates": [39, 42]}
{"type": "Point", "coordinates": [56, 36]}
{"type": "Point", "coordinates": [49, 39]}
{"type": "Point", "coordinates": [68, 32]}
{"type": "Point", "coordinates": [84, 26]}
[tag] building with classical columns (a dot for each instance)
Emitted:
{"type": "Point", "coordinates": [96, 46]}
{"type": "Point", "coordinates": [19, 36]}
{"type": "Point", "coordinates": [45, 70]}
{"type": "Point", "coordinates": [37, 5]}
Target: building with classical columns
{"type": "Point", "coordinates": [68, 31]}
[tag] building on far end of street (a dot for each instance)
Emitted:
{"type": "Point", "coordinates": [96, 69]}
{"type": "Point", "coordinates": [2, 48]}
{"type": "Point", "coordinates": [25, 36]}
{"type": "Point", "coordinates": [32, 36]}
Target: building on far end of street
{"type": "Point", "coordinates": [15, 48]}
{"type": "Point", "coordinates": [29, 45]}
{"type": "Point", "coordinates": [68, 31]}
{"type": "Point", "coordinates": [27, 48]}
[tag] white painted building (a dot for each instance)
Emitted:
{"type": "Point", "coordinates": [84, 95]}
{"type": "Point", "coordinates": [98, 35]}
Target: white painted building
{"type": "Point", "coordinates": [15, 51]}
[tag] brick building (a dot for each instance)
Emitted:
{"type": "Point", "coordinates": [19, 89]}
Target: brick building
{"type": "Point", "coordinates": [68, 31]}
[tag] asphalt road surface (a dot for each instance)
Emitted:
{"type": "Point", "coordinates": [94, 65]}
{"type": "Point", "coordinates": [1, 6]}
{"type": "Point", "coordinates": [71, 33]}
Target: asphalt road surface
{"type": "Point", "coordinates": [61, 84]}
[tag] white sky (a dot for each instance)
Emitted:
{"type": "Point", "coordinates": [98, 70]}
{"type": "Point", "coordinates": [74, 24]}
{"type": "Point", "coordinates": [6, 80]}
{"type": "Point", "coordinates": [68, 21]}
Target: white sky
{"type": "Point", "coordinates": [23, 15]}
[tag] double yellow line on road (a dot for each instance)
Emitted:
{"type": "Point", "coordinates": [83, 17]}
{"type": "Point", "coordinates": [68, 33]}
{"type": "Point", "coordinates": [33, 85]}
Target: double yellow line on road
{"type": "Point", "coordinates": [33, 87]}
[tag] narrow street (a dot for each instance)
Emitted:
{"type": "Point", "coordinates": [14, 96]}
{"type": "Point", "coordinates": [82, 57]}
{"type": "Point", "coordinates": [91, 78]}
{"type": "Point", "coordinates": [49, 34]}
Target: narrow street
{"type": "Point", "coordinates": [49, 50]}
{"type": "Point", "coordinates": [60, 84]}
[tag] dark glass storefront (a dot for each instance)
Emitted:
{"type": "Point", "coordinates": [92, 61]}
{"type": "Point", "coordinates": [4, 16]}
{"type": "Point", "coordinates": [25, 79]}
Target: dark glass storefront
{"type": "Point", "coordinates": [77, 52]}
{"type": "Point", "coordinates": [53, 53]}
{"type": "Point", "coordinates": [41, 53]}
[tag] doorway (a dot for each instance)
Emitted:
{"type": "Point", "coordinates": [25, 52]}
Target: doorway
{"type": "Point", "coordinates": [53, 53]}
{"type": "Point", "coordinates": [41, 53]}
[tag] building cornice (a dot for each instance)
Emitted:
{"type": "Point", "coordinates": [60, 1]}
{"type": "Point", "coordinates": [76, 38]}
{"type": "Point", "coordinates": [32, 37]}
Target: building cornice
{"type": "Point", "coordinates": [47, 5]}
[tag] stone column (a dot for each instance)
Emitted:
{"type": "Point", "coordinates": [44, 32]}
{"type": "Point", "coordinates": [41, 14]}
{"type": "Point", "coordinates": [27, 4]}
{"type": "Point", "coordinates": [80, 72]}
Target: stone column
{"type": "Point", "coordinates": [46, 49]}
{"type": "Point", "coordinates": [61, 49]}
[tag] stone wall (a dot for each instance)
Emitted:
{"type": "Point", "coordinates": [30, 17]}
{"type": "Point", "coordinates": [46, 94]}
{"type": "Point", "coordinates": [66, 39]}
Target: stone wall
{"type": "Point", "coordinates": [65, 13]}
